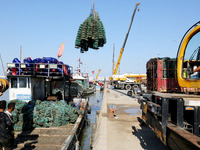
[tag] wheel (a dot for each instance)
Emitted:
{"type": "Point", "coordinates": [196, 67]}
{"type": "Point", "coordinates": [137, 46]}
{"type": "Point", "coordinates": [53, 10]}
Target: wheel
{"type": "Point", "coordinates": [128, 87]}
{"type": "Point", "coordinates": [129, 93]}
{"type": "Point", "coordinates": [123, 87]}
{"type": "Point", "coordinates": [135, 86]}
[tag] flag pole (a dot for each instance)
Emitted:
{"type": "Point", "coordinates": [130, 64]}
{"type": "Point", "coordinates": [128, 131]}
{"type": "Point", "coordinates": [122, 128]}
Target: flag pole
{"type": "Point", "coordinates": [20, 53]}
{"type": "Point", "coordinates": [2, 64]}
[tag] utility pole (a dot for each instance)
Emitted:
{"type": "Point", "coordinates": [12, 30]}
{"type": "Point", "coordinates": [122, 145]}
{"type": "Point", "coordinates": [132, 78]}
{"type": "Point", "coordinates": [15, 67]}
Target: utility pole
{"type": "Point", "coordinates": [113, 63]}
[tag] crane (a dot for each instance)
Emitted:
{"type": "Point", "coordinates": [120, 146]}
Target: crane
{"type": "Point", "coordinates": [116, 79]}
{"type": "Point", "coordinates": [97, 75]}
{"type": "Point", "coordinates": [122, 49]}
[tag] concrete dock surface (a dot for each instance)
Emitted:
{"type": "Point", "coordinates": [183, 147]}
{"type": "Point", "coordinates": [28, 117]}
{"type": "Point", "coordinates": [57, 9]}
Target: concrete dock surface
{"type": "Point", "coordinates": [124, 130]}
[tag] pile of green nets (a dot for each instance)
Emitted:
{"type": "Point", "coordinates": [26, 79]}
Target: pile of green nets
{"type": "Point", "coordinates": [91, 33]}
{"type": "Point", "coordinates": [53, 114]}
{"type": "Point", "coordinates": [83, 85]}
{"type": "Point", "coordinates": [43, 114]}
{"type": "Point", "coordinates": [22, 115]}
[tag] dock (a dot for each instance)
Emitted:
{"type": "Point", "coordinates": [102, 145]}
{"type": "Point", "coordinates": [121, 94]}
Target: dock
{"type": "Point", "coordinates": [119, 124]}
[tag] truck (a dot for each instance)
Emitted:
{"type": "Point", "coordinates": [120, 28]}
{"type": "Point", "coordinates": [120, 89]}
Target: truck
{"type": "Point", "coordinates": [173, 115]}
{"type": "Point", "coordinates": [128, 81]}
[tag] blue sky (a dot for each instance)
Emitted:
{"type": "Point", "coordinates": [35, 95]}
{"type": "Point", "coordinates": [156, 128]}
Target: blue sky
{"type": "Point", "coordinates": [42, 26]}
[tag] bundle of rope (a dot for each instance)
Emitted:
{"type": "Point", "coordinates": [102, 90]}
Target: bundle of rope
{"type": "Point", "coordinates": [91, 33]}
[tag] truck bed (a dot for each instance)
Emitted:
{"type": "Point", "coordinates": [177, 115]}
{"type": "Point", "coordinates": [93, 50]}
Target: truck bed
{"type": "Point", "coordinates": [189, 99]}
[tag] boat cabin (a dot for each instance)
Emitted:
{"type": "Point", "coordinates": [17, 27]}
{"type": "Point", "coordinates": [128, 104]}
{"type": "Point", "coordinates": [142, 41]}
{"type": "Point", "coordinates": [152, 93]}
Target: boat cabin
{"type": "Point", "coordinates": [33, 81]}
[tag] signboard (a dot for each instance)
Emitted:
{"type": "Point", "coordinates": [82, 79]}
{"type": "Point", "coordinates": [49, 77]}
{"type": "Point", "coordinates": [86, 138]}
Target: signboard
{"type": "Point", "coordinates": [24, 97]}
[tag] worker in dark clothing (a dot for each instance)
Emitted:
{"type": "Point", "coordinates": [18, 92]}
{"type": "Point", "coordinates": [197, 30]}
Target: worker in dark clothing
{"type": "Point", "coordinates": [6, 128]}
{"type": "Point", "coordinates": [11, 107]}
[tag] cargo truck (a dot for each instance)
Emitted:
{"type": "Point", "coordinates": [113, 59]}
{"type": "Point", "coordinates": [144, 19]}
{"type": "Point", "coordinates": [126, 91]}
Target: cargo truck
{"type": "Point", "coordinates": [173, 115]}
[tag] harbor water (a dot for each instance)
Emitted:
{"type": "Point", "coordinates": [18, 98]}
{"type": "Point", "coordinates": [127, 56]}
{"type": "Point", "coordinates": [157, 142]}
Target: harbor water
{"type": "Point", "coordinates": [95, 100]}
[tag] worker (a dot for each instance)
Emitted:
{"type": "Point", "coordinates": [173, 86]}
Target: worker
{"type": "Point", "coordinates": [197, 69]}
{"type": "Point", "coordinates": [195, 72]}
{"type": "Point", "coordinates": [11, 107]}
{"type": "Point", "coordinates": [57, 90]}
{"type": "Point", "coordinates": [6, 128]}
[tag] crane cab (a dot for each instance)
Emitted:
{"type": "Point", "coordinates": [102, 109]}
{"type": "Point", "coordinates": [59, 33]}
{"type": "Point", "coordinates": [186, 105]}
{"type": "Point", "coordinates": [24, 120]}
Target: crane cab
{"type": "Point", "coordinates": [188, 58]}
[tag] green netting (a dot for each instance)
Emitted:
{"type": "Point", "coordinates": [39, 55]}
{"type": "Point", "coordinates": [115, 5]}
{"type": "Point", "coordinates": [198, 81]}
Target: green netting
{"type": "Point", "coordinates": [91, 33]}
{"type": "Point", "coordinates": [43, 114]}
{"type": "Point", "coordinates": [165, 74]}
{"type": "Point", "coordinates": [48, 114]}
{"type": "Point", "coordinates": [22, 115]}
{"type": "Point", "coordinates": [83, 85]}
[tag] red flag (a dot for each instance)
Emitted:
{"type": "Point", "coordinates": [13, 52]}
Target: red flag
{"type": "Point", "coordinates": [92, 72]}
{"type": "Point", "coordinates": [61, 50]}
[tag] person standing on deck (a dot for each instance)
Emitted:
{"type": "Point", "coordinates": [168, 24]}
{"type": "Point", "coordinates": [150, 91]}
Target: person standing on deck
{"type": "Point", "coordinates": [11, 107]}
{"type": "Point", "coordinates": [6, 128]}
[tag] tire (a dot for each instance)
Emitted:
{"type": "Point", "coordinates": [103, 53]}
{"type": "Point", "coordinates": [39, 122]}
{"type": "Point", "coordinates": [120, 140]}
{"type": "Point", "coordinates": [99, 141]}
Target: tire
{"type": "Point", "coordinates": [128, 87]}
{"type": "Point", "coordinates": [135, 86]}
{"type": "Point", "coordinates": [129, 93]}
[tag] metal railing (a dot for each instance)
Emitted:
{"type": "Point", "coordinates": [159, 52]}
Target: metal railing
{"type": "Point", "coordinates": [38, 69]}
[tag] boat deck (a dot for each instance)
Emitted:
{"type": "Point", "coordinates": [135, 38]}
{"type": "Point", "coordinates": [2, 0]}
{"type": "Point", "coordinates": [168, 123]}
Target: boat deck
{"type": "Point", "coordinates": [44, 138]}
{"type": "Point", "coordinates": [53, 138]}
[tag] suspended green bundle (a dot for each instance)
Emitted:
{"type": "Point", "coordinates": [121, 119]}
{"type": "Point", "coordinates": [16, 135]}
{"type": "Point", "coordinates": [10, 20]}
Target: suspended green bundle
{"type": "Point", "coordinates": [91, 33]}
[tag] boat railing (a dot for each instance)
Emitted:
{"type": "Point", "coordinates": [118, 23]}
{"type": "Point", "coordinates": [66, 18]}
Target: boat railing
{"type": "Point", "coordinates": [85, 75]}
{"type": "Point", "coordinates": [38, 69]}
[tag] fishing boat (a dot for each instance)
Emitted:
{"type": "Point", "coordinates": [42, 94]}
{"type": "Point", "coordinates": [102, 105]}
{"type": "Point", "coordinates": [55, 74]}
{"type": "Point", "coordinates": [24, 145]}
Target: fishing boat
{"type": "Point", "coordinates": [46, 79]}
{"type": "Point", "coordinates": [83, 80]}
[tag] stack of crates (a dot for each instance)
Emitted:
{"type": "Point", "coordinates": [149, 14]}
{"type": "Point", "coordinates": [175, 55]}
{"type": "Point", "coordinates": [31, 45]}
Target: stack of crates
{"type": "Point", "coordinates": [161, 75]}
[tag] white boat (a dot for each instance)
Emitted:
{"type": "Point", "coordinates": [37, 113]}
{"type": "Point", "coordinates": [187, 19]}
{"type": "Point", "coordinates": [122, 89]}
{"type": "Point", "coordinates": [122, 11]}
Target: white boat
{"type": "Point", "coordinates": [83, 80]}
{"type": "Point", "coordinates": [32, 81]}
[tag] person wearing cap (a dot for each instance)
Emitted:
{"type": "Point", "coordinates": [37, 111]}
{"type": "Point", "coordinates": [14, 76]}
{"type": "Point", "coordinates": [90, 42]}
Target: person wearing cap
{"type": "Point", "coordinates": [6, 128]}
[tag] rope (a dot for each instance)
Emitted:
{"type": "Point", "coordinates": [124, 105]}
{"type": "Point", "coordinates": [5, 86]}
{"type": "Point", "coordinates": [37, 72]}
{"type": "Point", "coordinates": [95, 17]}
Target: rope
{"type": "Point", "coordinates": [93, 6]}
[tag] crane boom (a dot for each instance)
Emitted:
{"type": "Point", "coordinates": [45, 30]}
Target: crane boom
{"type": "Point", "coordinates": [122, 49]}
{"type": "Point", "coordinates": [97, 75]}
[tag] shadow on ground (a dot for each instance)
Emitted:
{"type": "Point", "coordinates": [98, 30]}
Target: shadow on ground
{"type": "Point", "coordinates": [144, 134]}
